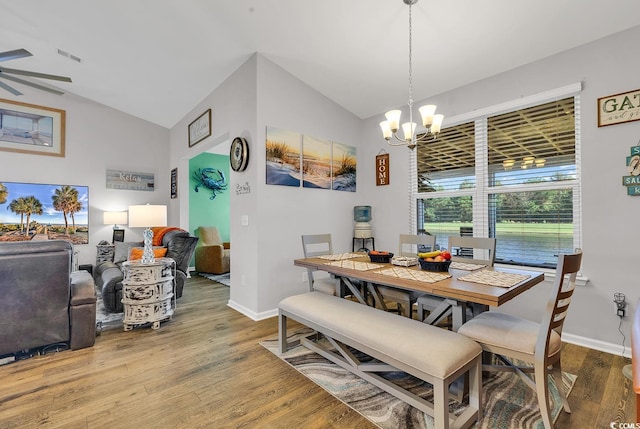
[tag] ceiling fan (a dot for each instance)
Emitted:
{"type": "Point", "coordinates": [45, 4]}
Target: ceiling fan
{"type": "Point", "coordinates": [7, 74]}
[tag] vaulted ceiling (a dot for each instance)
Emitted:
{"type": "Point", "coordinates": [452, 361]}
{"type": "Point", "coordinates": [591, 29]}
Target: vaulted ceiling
{"type": "Point", "coordinates": [156, 59]}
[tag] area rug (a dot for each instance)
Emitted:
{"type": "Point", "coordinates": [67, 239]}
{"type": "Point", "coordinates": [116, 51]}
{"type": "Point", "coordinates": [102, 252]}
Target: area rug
{"type": "Point", "coordinates": [508, 402]}
{"type": "Point", "coordinates": [105, 319]}
{"type": "Point", "coordinates": [225, 279]}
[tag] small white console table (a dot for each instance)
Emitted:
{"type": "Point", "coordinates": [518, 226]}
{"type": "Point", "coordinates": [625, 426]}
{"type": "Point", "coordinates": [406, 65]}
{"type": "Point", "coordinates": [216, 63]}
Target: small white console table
{"type": "Point", "coordinates": [148, 292]}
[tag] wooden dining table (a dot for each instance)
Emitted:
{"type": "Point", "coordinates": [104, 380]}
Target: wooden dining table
{"type": "Point", "coordinates": [458, 291]}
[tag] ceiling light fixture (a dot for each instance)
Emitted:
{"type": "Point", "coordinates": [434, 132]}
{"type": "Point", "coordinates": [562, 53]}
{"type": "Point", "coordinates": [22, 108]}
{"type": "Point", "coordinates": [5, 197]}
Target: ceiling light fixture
{"type": "Point", "coordinates": [431, 122]}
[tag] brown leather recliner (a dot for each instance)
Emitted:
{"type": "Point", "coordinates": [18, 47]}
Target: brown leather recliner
{"type": "Point", "coordinates": [212, 254]}
{"type": "Point", "coordinates": [44, 303]}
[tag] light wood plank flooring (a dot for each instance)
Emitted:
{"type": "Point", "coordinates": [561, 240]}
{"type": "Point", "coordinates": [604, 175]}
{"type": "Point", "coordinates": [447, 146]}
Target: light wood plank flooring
{"type": "Point", "coordinates": [205, 369]}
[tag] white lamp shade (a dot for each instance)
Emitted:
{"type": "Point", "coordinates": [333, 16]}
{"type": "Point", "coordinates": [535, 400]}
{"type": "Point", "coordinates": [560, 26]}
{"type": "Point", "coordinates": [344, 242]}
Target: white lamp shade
{"type": "Point", "coordinates": [144, 216]}
{"type": "Point", "coordinates": [386, 130]}
{"type": "Point", "coordinates": [393, 117]}
{"type": "Point", "coordinates": [408, 128]}
{"type": "Point", "coordinates": [437, 123]}
{"type": "Point", "coordinates": [114, 218]}
{"type": "Point", "coordinates": [426, 113]}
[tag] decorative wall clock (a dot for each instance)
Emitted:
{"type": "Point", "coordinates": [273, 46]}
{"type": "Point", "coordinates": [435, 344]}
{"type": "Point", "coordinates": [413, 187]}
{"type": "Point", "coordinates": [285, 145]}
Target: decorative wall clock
{"type": "Point", "coordinates": [239, 154]}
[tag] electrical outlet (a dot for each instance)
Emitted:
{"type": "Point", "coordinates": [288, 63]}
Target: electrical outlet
{"type": "Point", "coordinates": [305, 277]}
{"type": "Point", "coordinates": [620, 304]}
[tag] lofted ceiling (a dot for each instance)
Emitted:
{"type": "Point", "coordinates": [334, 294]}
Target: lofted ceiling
{"type": "Point", "coordinates": [157, 59]}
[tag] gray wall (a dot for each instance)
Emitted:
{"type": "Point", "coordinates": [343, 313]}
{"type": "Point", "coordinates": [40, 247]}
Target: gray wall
{"type": "Point", "coordinates": [605, 67]}
{"type": "Point", "coordinates": [97, 138]}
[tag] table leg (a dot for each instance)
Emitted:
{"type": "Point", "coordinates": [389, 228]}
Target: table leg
{"type": "Point", "coordinates": [373, 290]}
{"type": "Point", "coordinates": [354, 290]}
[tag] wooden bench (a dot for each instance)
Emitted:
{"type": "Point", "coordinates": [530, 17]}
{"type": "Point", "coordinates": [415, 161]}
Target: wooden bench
{"type": "Point", "coordinates": [432, 354]}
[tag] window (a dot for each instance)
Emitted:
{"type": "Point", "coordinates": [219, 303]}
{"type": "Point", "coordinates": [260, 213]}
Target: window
{"type": "Point", "coordinates": [509, 172]}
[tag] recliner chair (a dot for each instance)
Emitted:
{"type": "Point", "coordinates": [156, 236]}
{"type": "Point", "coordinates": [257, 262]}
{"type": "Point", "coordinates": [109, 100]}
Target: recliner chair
{"type": "Point", "coordinates": [212, 254]}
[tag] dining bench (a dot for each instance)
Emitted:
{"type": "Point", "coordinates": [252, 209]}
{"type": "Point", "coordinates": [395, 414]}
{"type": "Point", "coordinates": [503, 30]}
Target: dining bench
{"type": "Point", "coordinates": [434, 355]}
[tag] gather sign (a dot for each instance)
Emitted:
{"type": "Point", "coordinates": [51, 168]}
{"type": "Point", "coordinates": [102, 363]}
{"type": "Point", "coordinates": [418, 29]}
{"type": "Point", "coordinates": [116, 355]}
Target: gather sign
{"type": "Point", "coordinates": [619, 108]}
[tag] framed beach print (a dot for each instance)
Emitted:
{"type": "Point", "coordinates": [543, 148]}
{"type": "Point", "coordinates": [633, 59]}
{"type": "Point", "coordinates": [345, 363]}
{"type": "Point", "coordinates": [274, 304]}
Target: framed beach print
{"type": "Point", "coordinates": [200, 129]}
{"type": "Point", "coordinates": [33, 129]}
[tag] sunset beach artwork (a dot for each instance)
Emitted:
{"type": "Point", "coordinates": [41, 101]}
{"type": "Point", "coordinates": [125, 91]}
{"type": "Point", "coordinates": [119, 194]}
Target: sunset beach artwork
{"type": "Point", "coordinates": [316, 163]}
{"type": "Point", "coordinates": [283, 157]}
{"type": "Point", "coordinates": [343, 167]}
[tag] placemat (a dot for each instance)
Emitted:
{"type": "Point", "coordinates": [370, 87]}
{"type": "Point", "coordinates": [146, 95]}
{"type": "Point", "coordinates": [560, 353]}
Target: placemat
{"type": "Point", "coordinates": [354, 265]}
{"type": "Point", "coordinates": [340, 256]}
{"type": "Point", "coordinates": [464, 266]}
{"type": "Point", "coordinates": [419, 275]}
{"type": "Point", "coordinates": [495, 278]}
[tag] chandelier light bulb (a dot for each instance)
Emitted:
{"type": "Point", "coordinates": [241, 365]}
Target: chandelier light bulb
{"type": "Point", "coordinates": [386, 130]}
{"type": "Point", "coordinates": [408, 128]}
{"type": "Point", "coordinates": [393, 117]}
{"type": "Point", "coordinates": [426, 113]}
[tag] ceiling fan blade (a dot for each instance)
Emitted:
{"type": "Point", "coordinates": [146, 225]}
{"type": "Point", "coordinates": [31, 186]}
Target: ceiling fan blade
{"type": "Point", "coordinates": [10, 89]}
{"type": "Point", "coordinates": [31, 84]}
{"type": "Point", "coordinates": [35, 74]}
{"type": "Point", "coordinates": [14, 55]}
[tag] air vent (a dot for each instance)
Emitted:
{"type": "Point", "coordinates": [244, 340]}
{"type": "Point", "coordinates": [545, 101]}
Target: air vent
{"type": "Point", "coordinates": [69, 56]}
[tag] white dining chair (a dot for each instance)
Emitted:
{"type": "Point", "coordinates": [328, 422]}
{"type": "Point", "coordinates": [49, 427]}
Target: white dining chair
{"type": "Point", "coordinates": [318, 245]}
{"type": "Point", "coordinates": [480, 251]}
{"type": "Point", "coordinates": [408, 246]}
{"type": "Point", "coordinates": [537, 346]}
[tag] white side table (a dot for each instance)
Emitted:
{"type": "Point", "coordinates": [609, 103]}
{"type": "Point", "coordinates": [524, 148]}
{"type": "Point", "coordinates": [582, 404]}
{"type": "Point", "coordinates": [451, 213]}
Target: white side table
{"type": "Point", "coordinates": [148, 292]}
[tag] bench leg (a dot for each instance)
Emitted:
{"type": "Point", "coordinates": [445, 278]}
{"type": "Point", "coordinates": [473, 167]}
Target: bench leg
{"type": "Point", "coordinates": [282, 332]}
{"type": "Point", "coordinates": [440, 404]}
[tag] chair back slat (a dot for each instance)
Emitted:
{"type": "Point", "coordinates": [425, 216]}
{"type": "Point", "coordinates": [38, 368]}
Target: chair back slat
{"type": "Point", "coordinates": [483, 249]}
{"type": "Point", "coordinates": [410, 244]}
{"type": "Point", "coordinates": [561, 293]}
{"type": "Point", "coordinates": [316, 245]}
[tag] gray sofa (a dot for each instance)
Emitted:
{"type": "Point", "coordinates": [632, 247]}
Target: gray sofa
{"type": "Point", "coordinates": [108, 274]}
{"type": "Point", "coordinates": [43, 303]}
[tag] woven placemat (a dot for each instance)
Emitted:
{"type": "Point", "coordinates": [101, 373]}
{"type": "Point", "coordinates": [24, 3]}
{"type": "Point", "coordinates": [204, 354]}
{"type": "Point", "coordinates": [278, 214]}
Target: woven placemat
{"type": "Point", "coordinates": [354, 265]}
{"type": "Point", "coordinates": [465, 266]}
{"type": "Point", "coordinates": [421, 276]}
{"type": "Point", "coordinates": [495, 278]}
{"type": "Point", "coordinates": [340, 256]}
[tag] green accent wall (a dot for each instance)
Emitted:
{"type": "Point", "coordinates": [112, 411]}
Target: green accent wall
{"type": "Point", "coordinates": [204, 211]}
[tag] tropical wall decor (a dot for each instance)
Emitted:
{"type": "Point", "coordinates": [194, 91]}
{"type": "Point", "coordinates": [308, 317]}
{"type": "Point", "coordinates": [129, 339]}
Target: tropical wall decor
{"type": "Point", "coordinates": [204, 211]}
{"type": "Point", "coordinates": [294, 159]}
{"type": "Point", "coordinates": [31, 211]}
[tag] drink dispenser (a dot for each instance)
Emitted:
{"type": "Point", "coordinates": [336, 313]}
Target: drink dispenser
{"type": "Point", "coordinates": [362, 217]}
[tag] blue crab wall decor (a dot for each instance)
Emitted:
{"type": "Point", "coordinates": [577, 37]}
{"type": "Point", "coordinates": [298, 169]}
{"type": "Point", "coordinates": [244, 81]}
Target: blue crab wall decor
{"type": "Point", "coordinates": [210, 178]}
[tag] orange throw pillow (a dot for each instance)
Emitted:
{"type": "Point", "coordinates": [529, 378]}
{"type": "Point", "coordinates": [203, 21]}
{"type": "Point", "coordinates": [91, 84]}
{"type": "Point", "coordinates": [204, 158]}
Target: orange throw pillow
{"type": "Point", "coordinates": [136, 253]}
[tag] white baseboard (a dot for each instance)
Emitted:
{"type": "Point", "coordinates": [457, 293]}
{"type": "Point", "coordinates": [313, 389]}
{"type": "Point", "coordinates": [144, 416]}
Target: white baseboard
{"type": "Point", "coordinates": [252, 314]}
{"type": "Point", "coordinates": [614, 349]}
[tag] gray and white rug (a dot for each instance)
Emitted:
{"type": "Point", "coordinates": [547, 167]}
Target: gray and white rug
{"type": "Point", "coordinates": [508, 402]}
{"type": "Point", "coordinates": [105, 319]}
{"type": "Point", "coordinates": [225, 279]}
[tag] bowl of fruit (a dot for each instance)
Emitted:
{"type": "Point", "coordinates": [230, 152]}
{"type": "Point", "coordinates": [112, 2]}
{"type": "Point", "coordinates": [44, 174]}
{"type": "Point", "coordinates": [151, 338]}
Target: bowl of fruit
{"type": "Point", "coordinates": [380, 256]}
{"type": "Point", "coordinates": [438, 260]}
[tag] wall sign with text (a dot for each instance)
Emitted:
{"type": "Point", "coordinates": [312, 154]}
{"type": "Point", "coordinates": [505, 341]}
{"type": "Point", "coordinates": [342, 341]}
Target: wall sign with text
{"type": "Point", "coordinates": [632, 181]}
{"type": "Point", "coordinates": [382, 169]}
{"type": "Point", "coordinates": [619, 108]}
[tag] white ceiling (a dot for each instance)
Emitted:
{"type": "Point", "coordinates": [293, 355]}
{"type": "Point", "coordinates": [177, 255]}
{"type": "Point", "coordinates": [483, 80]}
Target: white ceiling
{"type": "Point", "coordinates": [157, 59]}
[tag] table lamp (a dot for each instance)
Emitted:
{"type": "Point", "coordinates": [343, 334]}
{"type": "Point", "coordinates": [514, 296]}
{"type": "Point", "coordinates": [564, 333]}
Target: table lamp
{"type": "Point", "coordinates": [115, 218]}
{"type": "Point", "coordinates": [146, 216]}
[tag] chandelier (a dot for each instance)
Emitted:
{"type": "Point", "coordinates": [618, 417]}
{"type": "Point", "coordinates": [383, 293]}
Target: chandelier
{"type": "Point", "coordinates": [431, 122]}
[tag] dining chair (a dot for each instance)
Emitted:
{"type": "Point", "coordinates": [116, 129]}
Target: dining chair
{"type": "Point", "coordinates": [536, 345]}
{"type": "Point", "coordinates": [318, 245]}
{"type": "Point", "coordinates": [480, 251]}
{"type": "Point", "coordinates": [408, 246]}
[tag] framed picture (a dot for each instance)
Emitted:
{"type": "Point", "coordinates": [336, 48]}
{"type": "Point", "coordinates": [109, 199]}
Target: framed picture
{"type": "Point", "coordinates": [118, 235]}
{"type": "Point", "coordinates": [130, 180]}
{"type": "Point", "coordinates": [174, 183]}
{"type": "Point", "coordinates": [200, 129]}
{"type": "Point", "coordinates": [28, 128]}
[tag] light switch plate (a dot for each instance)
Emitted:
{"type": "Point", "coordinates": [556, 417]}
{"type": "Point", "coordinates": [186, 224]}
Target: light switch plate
{"type": "Point", "coordinates": [244, 220]}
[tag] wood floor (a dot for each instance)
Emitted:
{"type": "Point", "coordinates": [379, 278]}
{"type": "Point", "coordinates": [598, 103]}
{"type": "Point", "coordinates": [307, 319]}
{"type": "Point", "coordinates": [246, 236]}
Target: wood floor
{"type": "Point", "coordinates": [205, 369]}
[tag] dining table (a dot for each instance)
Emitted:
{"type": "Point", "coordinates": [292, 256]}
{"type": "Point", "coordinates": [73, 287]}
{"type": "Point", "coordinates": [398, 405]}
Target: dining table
{"type": "Point", "coordinates": [462, 286]}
